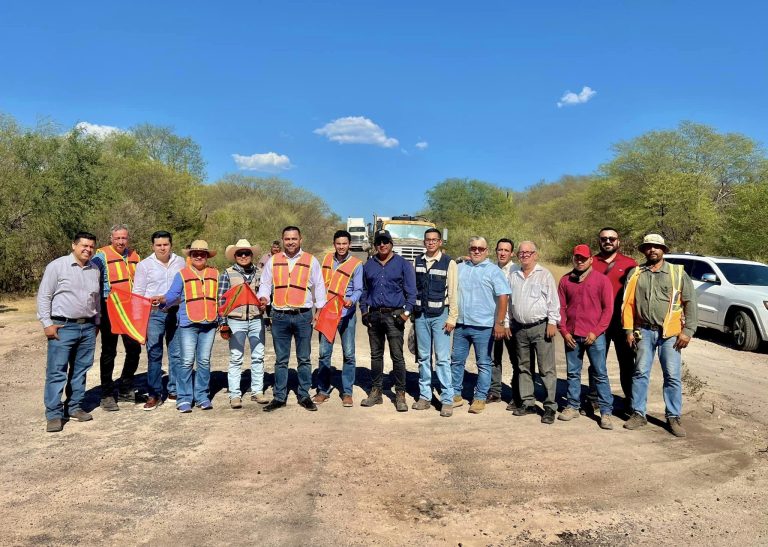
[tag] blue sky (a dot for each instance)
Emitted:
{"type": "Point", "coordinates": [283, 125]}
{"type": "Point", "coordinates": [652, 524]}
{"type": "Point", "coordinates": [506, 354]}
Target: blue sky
{"type": "Point", "coordinates": [370, 104]}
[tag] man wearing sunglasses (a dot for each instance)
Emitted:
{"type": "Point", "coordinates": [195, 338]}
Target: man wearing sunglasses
{"type": "Point", "coordinates": [614, 265]}
{"type": "Point", "coordinates": [243, 322]}
{"type": "Point", "coordinates": [483, 296]}
{"type": "Point", "coordinates": [389, 295]}
{"type": "Point", "coordinates": [534, 312]}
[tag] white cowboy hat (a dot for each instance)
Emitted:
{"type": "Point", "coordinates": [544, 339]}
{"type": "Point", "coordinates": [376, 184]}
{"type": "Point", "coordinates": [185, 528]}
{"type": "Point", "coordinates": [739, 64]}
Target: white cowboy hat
{"type": "Point", "coordinates": [200, 245]}
{"type": "Point", "coordinates": [240, 245]}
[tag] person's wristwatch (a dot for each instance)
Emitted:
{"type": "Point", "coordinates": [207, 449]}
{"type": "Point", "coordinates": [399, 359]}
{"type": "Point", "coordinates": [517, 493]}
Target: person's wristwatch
{"type": "Point", "coordinates": [406, 313]}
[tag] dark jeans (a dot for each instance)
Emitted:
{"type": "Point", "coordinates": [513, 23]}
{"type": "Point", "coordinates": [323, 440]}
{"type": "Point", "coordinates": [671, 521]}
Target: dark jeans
{"type": "Point", "coordinates": [284, 327]}
{"type": "Point", "coordinates": [109, 352]}
{"type": "Point", "coordinates": [498, 357]}
{"type": "Point", "coordinates": [383, 325]}
{"type": "Point", "coordinates": [626, 358]}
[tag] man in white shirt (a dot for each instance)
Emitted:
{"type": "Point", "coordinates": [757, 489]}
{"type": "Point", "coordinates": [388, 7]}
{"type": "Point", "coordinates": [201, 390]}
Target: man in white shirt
{"type": "Point", "coordinates": [533, 315]}
{"type": "Point", "coordinates": [153, 276]}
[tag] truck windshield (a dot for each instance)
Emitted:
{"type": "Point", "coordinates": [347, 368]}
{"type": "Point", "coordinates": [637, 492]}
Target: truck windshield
{"type": "Point", "coordinates": [406, 231]}
{"type": "Point", "coordinates": [356, 229]}
{"type": "Point", "coordinates": [745, 274]}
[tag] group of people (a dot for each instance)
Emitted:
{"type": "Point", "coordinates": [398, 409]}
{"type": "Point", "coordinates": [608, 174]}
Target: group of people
{"type": "Point", "coordinates": [454, 304]}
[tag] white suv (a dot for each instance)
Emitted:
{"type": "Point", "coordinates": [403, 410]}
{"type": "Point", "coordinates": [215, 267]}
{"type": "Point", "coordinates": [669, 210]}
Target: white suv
{"type": "Point", "coordinates": [732, 296]}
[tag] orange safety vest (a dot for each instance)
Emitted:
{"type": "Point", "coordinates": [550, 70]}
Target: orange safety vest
{"type": "Point", "coordinates": [201, 294]}
{"type": "Point", "coordinates": [673, 319]}
{"type": "Point", "coordinates": [290, 284]}
{"type": "Point", "coordinates": [337, 281]}
{"type": "Point", "coordinates": [120, 269]}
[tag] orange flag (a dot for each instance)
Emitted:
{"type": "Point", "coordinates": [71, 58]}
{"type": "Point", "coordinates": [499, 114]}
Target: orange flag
{"type": "Point", "coordinates": [129, 314]}
{"type": "Point", "coordinates": [237, 296]}
{"type": "Point", "coordinates": [329, 318]}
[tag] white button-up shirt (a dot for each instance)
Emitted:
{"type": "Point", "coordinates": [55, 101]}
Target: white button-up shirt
{"type": "Point", "coordinates": [534, 297]}
{"type": "Point", "coordinates": [152, 277]}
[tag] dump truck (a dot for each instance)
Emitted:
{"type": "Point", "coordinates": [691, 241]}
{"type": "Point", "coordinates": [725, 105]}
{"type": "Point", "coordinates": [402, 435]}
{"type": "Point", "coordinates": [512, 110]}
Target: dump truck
{"type": "Point", "coordinates": [359, 232]}
{"type": "Point", "coordinates": [407, 234]}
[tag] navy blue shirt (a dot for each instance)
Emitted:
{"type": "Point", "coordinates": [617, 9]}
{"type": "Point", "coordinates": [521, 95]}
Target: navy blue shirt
{"type": "Point", "coordinates": [390, 285]}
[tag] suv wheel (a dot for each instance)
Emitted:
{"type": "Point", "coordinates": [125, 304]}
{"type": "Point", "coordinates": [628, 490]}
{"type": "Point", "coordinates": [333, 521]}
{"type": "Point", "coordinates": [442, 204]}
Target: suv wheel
{"type": "Point", "coordinates": [744, 332]}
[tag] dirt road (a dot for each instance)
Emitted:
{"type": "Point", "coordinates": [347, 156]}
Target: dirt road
{"type": "Point", "coordinates": [373, 476]}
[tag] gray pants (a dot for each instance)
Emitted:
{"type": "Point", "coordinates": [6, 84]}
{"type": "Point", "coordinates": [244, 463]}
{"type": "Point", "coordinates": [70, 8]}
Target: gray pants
{"type": "Point", "coordinates": [532, 340]}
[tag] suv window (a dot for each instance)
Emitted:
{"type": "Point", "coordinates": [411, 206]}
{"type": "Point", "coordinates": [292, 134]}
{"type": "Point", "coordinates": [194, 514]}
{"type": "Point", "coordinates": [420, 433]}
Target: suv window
{"type": "Point", "coordinates": [687, 263]}
{"type": "Point", "coordinates": [699, 269]}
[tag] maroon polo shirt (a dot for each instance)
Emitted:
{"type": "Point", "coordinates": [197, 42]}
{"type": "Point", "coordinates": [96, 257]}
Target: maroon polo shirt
{"type": "Point", "coordinates": [587, 306]}
{"type": "Point", "coordinates": [618, 274]}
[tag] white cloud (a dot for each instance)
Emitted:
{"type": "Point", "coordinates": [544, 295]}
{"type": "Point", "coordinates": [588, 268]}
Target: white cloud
{"type": "Point", "coordinates": [268, 163]}
{"type": "Point", "coordinates": [98, 131]}
{"type": "Point", "coordinates": [356, 130]}
{"type": "Point", "coordinates": [422, 145]}
{"type": "Point", "coordinates": [570, 98]}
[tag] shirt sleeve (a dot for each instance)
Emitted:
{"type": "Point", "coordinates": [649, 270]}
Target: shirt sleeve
{"type": "Point", "coordinates": [45, 295]}
{"type": "Point", "coordinates": [553, 302]}
{"type": "Point", "coordinates": [265, 282]}
{"type": "Point", "coordinates": [101, 263]}
{"type": "Point", "coordinates": [364, 294]}
{"type": "Point", "coordinates": [357, 284]}
{"type": "Point", "coordinates": [563, 328]}
{"type": "Point", "coordinates": [409, 278]}
{"type": "Point", "coordinates": [224, 285]}
{"type": "Point", "coordinates": [453, 293]}
{"type": "Point", "coordinates": [175, 291]}
{"type": "Point", "coordinates": [140, 278]}
{"type": "Point", "coordinates": [319, 294]}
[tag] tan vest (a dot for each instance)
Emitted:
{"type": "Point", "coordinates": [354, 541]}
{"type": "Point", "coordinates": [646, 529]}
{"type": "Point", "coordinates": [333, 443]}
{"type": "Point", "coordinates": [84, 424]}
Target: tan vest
{"type": "Point", "coordinates": [235, 279]}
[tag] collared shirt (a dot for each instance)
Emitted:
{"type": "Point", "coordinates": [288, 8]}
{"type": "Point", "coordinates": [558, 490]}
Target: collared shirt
{"type": "Point", "coordinates": [652, 294]}
{"type": "Point", "coordinates": [534, 297]}
{"type": "Point", "coordinates": [225, 283]}
{"type": "Point", "coordinates": [175, 295]}
{"type": "Point", "coordinates": [100, 260]}
{"type": "Point", "coordinates": [69, 290]}
{"type": "Point", "coordinates": [506, 267]}
{"type": "Point", "coordinates": [479, 286]}
{"type": "Point", "coordinates": [586, 303]}
{"type": "Point", "coordinates": [388, 285]}
{"type": "Point", "coordinates": [153, 278]}
{"type": "Point", "coordinates": [315, 295]}
{"type": "Point", "coordinates": [354, 287]}
{"type": "Point", "coordinates": [452, 280]}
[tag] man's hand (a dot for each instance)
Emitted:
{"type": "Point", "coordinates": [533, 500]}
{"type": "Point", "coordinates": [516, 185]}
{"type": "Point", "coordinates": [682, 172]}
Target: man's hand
{"type": "Point", "coordinates": [448, 327]}
{"type": "Point", "coordinates": [551, 331]}
{"type": "Point", "coordinates": [507, 333]}
{"type": "Point", "coordinates": [364, 320]}
{"type": "Point", "coordinates": [682, 341]}
{"type": "Point", "coordinates": [590, 339]}
{"type": "Point", "coordinates": [348, 303]}
{"type": "Point", "coordinates": [225, 332]}
{"type": "Point", "coordinates": [262, 303]}
{"type": "Point", "coordinates": [52, 332]}
{"type": "Point", "coordinates": [498, 331]}
{"type": "Point", "coordinates": [631, 342]}
{"type": "Point", "coordinates": [569, 341]}
{"type": "Point", "coordinates": [404, 318]}
{"type": "Point", "coordinates": [157, 300]}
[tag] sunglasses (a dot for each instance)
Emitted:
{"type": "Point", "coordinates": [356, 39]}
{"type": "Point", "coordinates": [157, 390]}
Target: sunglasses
{"type": "Point", "coordinates": [477, 249]}
{"type": "Point", "coordinates": [611, 239]}
{"type": "Point", "coordinates": [241, 254]}
{"type": "Point", "coordinates": [198, 254]}
{"type": "Point", "coordinates": [380, 243]}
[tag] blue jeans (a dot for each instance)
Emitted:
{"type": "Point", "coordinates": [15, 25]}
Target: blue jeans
{"type": "Point", "coordinates": [482, 339]}
{"type": "Point", "coordinates": [196, 345]}
{"type": "Point", "coordinates": [253, 330]}
{"type": "Point", "coordinates": [162, 326]}
{"type": "Point", "coordinates": [574, 358]}
{"type": "Point", "coordinates": [430, 334]}
{"type": "Point", "coordinates": [347, 332]}
{"type": "Point", "coordinates": [73, 349]}
{"type": "Point", "coordinates": [671, 361]}
{"type": "Point", "coordinates": [284, 327]}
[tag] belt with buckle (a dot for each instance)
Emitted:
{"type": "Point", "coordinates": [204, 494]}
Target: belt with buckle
{"type": "Point", "coordinates": [529, 325]}
{"type": "Point", "coordinates": [294, 311]}
{"type": "Point", "coordinates": [386, 310]}
{"type": "Point", "coordinates": [649, 327]}
{"type": "Point", "coordinates": [79, 320]}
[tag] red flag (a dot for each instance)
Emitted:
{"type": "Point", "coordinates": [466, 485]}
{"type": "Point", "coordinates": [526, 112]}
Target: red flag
{"type": "Point", "coordinates": [237, 296]}
{"type": "Point", "coordinates": [329, 317]}
{"type": "Point", "coordinates": [129, 314]}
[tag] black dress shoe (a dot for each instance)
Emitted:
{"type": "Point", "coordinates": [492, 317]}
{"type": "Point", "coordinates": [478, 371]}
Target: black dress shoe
{"type": "Point", "coordinates": [307, 403]}
{"type": "Point", "coordinates": [493, 398]}
{"type": "Point", "coordinates": [274, 404]}
{"type": "Point", "coordinates": [548, 417]}
{"type": "Point", "coordinates": [524, 410]}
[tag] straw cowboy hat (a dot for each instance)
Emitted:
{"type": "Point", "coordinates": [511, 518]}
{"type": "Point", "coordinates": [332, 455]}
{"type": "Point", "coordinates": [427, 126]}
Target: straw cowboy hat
{"type": "Point", "coordinates": [239, 246]}
{"type": "Point", "coordinates": [200, 245]}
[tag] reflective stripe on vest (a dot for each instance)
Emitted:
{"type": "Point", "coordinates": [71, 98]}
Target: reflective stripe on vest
{"type": "Point", "coordinates": [432, 285]}
{"type": "Point", "coordinates": [120, 269]}
{"type": "Point", "coordinates": [337, 281]}
{"type": "Point", "coordinates": [673, 319]}
{"type": "Point", "coordinates": [290, 284]}
{"type": "Point", "coordinates": [200, 294]}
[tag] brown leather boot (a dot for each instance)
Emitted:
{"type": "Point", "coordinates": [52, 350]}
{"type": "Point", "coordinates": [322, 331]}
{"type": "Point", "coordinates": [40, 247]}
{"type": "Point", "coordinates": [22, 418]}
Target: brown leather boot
{"type": "Point", "coordinates": [400, 403]}
{"type": "Point", "coordinates": [374, 398]}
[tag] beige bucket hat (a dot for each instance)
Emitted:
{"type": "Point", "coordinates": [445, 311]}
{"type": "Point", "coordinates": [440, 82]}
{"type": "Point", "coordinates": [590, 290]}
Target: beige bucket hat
{"type": "Point", "coordinates": [653, 239]}
{"type": "Point", "coordinates": [239, 246]}
{"type": "Point", "coordinates": [200, 245]}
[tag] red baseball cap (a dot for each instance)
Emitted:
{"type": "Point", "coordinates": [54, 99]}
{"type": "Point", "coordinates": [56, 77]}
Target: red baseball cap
{"type": "Point", "coordinates": [582, 250]}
